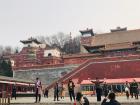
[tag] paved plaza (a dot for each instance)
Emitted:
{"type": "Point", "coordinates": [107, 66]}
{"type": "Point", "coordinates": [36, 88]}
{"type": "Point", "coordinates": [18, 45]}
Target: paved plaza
{"type": "Point", "coordinates": [49, 101]}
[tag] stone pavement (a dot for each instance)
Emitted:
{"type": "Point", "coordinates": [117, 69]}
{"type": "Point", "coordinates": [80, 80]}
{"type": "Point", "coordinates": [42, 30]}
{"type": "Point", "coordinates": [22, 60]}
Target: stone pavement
{"type": "Point", "coordinates": [66, 101]}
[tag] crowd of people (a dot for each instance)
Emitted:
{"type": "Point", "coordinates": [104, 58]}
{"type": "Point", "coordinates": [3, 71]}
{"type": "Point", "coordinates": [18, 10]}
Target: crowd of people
{"type": "Point", "coordinates": [59, 92]}
{"type": "Point", "coordinates": [131, 89]}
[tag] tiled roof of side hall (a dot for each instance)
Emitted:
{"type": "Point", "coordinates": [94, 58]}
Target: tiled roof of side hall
{"type": "Point", "coordinates": [116, 37]}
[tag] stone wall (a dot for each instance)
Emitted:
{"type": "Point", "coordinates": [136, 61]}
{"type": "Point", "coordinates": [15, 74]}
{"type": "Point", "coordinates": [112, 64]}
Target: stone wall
{"type": "Point", "coordinates": [46, 75]}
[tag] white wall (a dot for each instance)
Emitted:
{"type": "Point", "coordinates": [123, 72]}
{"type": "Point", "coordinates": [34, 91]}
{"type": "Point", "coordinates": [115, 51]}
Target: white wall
{"type": "Point", "coordinates": [53, 52]}
{"type": "Point", "coordinates": [12, 62]}
{"type": "Point", "coordinates": [33, 44]}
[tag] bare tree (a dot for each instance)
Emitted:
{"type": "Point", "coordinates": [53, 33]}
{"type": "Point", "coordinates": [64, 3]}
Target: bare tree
{"type": "Point", "coordinates": [48, 40]}
{"type": "Point", "coordinates": [45, 39]}
{"type": "Point", "coordinates": [76, 44]}
{"type": "Point", "coordinates": [62, 41]}
{"type": "Point", "coordinates": [41, 39]}
{"type": "Point", "coordinates": [8, 50]}
{"type": "Point", "coordinates": [1, 50]}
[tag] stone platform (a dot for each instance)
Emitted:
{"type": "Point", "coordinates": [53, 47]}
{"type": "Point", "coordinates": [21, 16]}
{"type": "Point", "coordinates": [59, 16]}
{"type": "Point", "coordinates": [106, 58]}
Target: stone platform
{"type": "Point", "coordinates": [66, 101]}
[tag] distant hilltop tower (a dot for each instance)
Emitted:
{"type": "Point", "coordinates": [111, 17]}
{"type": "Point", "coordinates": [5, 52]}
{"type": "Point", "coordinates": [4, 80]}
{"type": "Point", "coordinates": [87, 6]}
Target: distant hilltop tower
{"type": "Point", "coordinates": [32, 42]}
{"type": "Point", "coordinates": [86, 39]}
{"type": "Point", "coordinates": [87, 32]}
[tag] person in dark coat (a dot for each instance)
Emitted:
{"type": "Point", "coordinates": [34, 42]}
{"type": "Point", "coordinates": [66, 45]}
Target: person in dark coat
{"type": "Point", "coordinates": [46, 92]}
{"type": "Point", "coordinates": [105, 89]}
{"type": "Point", "coordinates": [56, 92]}
{"type": "Point", "coordinates": [131, 90]}
{"type": "Point", "coordinates": [78, 99]}
{"type": "Point", "coordinates": [86, 101]}
{"type": "Point", "coordinates": [71, 89]}
{"type": "Point", "coordinates": [98, 89]}
{"type": "Point", "coordinates": [112, 101]}
{"type": "Point", "coordinates": [134, 87]}
{"type": "Point", "coordinates": [14, 92]}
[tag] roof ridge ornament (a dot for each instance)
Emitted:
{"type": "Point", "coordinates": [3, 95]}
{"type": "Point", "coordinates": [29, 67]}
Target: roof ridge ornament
{"type": "Point", "coordinates": [118, 29]}
{"type": "Point", "coordinates": [87, 32]}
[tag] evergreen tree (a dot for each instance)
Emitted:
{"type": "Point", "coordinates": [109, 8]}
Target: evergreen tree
{"type": "Point", "coordinates": [6, 68]}
{"type": "Point", "coordinates": [9, 70]}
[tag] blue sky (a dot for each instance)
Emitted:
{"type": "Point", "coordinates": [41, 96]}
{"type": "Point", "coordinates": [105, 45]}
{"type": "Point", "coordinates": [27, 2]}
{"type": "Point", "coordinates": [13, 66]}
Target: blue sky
{"type": "Point", "coordinates": [21, 19]}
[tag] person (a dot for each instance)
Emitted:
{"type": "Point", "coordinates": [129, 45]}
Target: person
{"type": "Point", "coordinates": [134, 87]}
{"type": "Point", "coordinates": [56, 92]}
{"type": "Point", "coordinates": [46, 92]}
{"type": "Point", "coordinates": [38, 90]}
{"type": "Point", "coordinates": [62, 91]}
{"type": "Point", "coordinates": [105, 89]}
{"type": "Point", "coordinates": [98, 89]}
{"type": "Point", "coordinates": [86, 101]}
{"type": "Point", "coordinates": [14, 93]}
{"type": "Point", "coordinates": [127, 89]}
{"type": "Point", "coordinates": [79, 98]}
{"type": "Point", "coordinates": [71, 89]}
{"type": "Point", "coordinates": [112, 101]}
{"type": "Point", "coordinates": [131, 90]}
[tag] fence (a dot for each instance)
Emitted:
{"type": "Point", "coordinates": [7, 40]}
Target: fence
{"type": "Point", "coordinates": [5, 98]}
{"type": "Point", "coordinates": [5, 101]}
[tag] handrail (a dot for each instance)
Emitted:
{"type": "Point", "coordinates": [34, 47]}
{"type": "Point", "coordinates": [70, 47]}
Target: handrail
{"type": "Point", "coordinates": [67, 75]}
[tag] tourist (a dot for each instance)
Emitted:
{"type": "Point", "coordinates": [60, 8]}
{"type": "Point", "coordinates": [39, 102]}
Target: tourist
{"type": "Point", "coordinates": [98, 89]}
{"type": "Point", "coordinates": [131, 90]}
{"type": "Point", "coordinates": [86, 101]}
{"type": "Point", "coordinates": [78, 99]}
{"type": "Point", "coordinates": [127, 89]}
{"type": "Point", "coordinates": [46, 92]}
{"type": "Point", "coordinates": [38, 90]}
{"type": "Point", "coordinates": [112, 101]}
{"type": "Point", "coordinates": [71, 89]}
{"type": "Point", "coordinates": [134, 87]}
{"type": "Point", "coordinates": [62, 91]}
{"type": "Point", "coordinates": [56, 92]}
{"type": "Point", "coordinates": [14, 92]}
{"type": "Point", "coordinates": [105, 89]}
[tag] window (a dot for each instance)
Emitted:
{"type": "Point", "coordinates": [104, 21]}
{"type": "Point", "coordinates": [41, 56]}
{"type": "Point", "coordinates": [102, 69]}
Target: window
{"type": "Point", "coordinates": [49, 54]}
{"type": "Point", "coordinates": [29, 45]}
{"type": "Point", "coordinates": [87, 88]}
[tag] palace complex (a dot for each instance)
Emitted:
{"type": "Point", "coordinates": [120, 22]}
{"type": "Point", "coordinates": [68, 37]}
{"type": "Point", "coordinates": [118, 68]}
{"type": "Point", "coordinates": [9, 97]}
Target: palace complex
{"type": "Point", "coordinates": [109, 55]}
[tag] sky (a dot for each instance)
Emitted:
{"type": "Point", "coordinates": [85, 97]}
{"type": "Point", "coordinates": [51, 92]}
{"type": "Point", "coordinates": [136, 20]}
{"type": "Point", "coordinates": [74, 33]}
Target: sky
{"type": "Point", "coordinates": [21, 19]}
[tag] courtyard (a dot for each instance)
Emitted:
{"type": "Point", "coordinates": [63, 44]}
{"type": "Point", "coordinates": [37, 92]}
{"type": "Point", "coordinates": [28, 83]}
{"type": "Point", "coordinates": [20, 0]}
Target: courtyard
{"type": "Point", "coordinates": [66, 101]}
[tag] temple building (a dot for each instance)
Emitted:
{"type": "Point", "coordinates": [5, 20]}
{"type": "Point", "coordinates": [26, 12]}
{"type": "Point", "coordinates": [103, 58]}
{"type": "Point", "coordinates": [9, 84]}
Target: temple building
{"type": "Point", "coordinates": [119, 41]}
{"type": "Point", "coordinates": [107, 55]}
{"type": "Point", "coordinates": [32, 42]}
{"type": "Point", "coordinates": [33, 54]}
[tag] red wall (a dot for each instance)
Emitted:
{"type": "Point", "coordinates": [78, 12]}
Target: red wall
{"type": "Point", "coordinates": [126, 69]}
